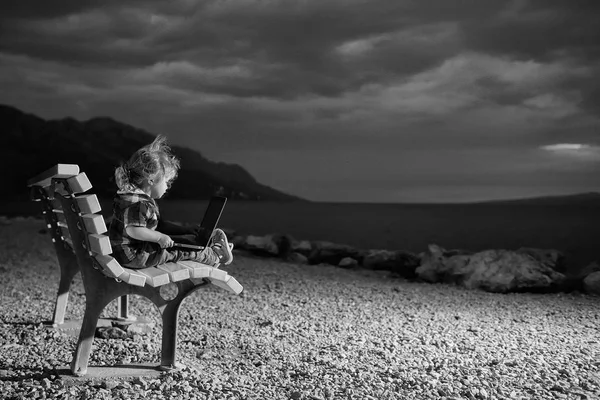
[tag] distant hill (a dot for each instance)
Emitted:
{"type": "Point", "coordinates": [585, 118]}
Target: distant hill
{"type": "Point", "coordinates": [581, 199]}
{"type": "Point", "coordinates": [29, 145]}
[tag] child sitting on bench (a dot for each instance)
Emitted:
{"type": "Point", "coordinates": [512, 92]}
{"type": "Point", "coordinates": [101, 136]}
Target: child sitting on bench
{"type": "Point", "coordinates": [138, 236]}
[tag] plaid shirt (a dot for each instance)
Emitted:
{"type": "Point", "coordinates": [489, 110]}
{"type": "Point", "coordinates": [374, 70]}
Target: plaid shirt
{"type": "Point", "coordinates": [131, 209]}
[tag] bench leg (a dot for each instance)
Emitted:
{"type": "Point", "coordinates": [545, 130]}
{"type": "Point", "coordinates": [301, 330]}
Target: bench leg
{"type": "Point", "coordinates": [86, 337]}
{"type": "Point", "coordinates": [67, 272]}
{"type": "Point", "coordinates": [170, 314]}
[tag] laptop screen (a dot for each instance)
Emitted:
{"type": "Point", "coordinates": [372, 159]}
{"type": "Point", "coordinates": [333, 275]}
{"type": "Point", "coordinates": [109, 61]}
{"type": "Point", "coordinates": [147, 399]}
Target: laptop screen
{"type": "Point", "coordinates": [211, 218]}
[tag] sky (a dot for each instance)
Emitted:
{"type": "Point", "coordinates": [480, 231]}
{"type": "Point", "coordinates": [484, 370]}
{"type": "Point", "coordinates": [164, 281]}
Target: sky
{"type": "Point", "coordinates": [332, 100]}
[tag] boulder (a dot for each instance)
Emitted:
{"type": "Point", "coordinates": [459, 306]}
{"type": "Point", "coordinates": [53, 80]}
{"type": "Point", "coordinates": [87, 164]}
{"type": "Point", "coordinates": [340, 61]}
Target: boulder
{"type": "Point", "coordinates": [331, 253]}
{"type": "Point", "coordinates": [434, 249]}
{"type": "Point", "coordinates": [499, 271]}
{"type": "Point", "coordinates": [503, 271]}
{"type": "Point", "coordinates": [261, 245]}
{"type": "Point", "coordinates": [588, 269]}
{"type": "Point", "coordinates": [283, 243]}
{"type": "Point", "coordinates": [553, 258]}
{"type": "Point", "coordinates": [297, 258]}
{"type": "Point", "coordinates": [441, 270]}
{"type": "Point", "coordinates": [302, 247]}
{"type": "Point", "coordinates": [348, 262]}
{"type": "Point", "coordinates": [438, 264]}
{"type": "Point", "coordinates": [239, 242]}
{"type": "Point", "coordinates": [400, 262]}
{"type": "Point", "coordinates": [591, 283]}
{"type": "Point", "coordinates": [575, 282]}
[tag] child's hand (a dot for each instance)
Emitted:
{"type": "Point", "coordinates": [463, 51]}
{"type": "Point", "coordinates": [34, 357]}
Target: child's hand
{"type": "Point", "coordinates": [165, 241]}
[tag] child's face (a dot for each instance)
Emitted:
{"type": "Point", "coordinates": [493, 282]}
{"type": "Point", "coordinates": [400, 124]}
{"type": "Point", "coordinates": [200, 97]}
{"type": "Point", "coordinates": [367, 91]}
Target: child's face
{"type": "Point", "coordinates": [158, 187]}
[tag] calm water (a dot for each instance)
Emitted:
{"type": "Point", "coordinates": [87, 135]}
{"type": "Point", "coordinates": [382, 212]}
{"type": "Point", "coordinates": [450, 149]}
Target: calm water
{"type": "Point", "coordinates": [575, 230]}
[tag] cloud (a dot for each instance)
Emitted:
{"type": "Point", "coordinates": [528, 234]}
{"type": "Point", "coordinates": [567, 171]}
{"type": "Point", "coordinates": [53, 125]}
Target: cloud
{"type": "Point", "coordinates": [539, 30]}
{"type": "Point", "coordinates": [377, 93]}
{"type": "Point", "coordinates": [575, 151]}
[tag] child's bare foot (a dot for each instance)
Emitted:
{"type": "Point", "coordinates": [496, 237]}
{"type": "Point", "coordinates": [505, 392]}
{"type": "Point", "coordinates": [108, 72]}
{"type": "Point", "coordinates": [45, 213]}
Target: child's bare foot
{"type": "Point", "coordinates": [221, 246]}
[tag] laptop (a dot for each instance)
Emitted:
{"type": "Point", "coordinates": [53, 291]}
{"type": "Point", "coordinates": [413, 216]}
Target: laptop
{"type": "Point", "coordinates": [207, 226]}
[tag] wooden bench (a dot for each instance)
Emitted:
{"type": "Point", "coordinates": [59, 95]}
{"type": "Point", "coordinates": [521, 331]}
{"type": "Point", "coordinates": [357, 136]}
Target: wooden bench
{"type": "Point", "coordinates": [56, 223]}
{"type": "Point", "coordinates": [104, 278]}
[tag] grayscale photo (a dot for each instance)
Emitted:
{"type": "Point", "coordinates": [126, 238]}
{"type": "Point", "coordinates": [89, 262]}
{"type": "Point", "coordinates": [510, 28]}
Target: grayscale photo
{"type": "Point", "coordinates": [300, 199]}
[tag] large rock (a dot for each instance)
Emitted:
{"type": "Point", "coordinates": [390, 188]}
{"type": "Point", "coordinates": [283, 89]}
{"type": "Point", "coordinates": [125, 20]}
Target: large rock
{"type": "Point", "coordinates": [504, 271]}
{"type": "Point", "coordinates": [331, 253]}
{"type": "Point", "coordinates": [273, 245]}
{"type": "Point", "coordinates": [499, 271]}
{"type": "Point", "coordinates": [283, 243]}
{"type": "Point", "coordinates": [261, 245]}
{"type": "Point", "coordinates": [553, 258]}
{"type": "Point", "coordinates": [348, 263]}
{"type": "Point", "coordinates": [297, 258]}
{"type": "Point", "coordinates": [591, 283]}
{"type": "Point", "coordinates": [438, 264]}
{"type": "Point", "coordinates": [588, 269]}
{"type": "Point", "coordinates": [239, 241]}
{"type": "Point", "coordinates": [575, 282]}
{"type": "Point", "coordinates": [301, 246]}
{"type": "Point", "coordinates": [399, 262]}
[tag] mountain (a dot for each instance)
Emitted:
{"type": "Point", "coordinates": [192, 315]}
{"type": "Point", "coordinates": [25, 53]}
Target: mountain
{"type": "Point", "coordinates": [578, 199]}
{"type": "Point", "coordinates": [30, 145]}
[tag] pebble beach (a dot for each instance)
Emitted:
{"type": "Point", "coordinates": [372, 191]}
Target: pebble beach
{"type": "Point", "coordinates": [304, 332]}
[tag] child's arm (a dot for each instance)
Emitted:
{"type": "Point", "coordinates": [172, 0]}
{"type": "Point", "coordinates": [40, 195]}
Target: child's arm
{"type": "Point", "coordinates": [171, 228]}
{"type": "Point", "coordinates": [149, 235]}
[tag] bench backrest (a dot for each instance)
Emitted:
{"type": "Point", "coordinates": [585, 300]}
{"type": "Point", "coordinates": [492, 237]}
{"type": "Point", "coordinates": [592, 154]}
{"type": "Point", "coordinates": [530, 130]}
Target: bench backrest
{"type": "Point", "coordinates": [42, 190]}
{"type": "Point", "coordinates": [77, 220]}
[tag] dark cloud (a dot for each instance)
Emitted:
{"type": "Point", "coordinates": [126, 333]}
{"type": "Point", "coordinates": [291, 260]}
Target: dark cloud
{"type": "Point", "coordinates": [414, 93]}
{"type": "Point", "coordinates": [539, 29]}
{"type": "Point", "coordinates": [37, 10]}
{"type": "Point", "coordinates": [292, 46]}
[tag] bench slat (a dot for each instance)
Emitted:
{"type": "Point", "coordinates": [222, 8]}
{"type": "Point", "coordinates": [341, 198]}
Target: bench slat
{"type": "Point", "coordinates": [133, 277]}
{"type": "Point", "coordinates": [94, 223]}
{"type": "Point", "coordinates": [176, 272]}
{"type": "Point", "coordinates": [65, 232]}
{"type": "Point", "coordinates": [110, 266]}
{"type": "Point", "coordinates": [154, 276]}
{"type": "Point", "coordinates": [60, 216]}
{"type": "Point", "coordinates": [79, 183]}
{"type": "Point", "coordinates": [68, 240]}
{"type": "Point", "coordinates": [231, 285]}
{"type": "Point", "coordinates": [218, 274]}
{"type": "Point", "coordinates": [58, 171]}
{"type": "Point", "coordinates": [197, 270]}
{"type": "Point", "coordinates": [88, 204]}
{"type": "Point", "coordinates": [100, 244]}
{"type": "Point", "coordinates": [56, 204]}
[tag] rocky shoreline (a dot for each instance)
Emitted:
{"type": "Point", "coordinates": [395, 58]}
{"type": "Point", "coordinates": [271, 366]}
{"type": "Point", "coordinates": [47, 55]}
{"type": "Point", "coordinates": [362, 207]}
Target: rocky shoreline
{"type": "Point", "coordinates": [494, 270]}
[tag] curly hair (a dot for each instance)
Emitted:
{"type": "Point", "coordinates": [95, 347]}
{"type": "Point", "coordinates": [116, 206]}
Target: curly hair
{"type": "Point", "coordinates": [148, 163]}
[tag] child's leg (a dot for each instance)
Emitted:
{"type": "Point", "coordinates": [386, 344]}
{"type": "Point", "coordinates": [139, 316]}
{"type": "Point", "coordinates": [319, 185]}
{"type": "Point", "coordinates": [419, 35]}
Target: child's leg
{"type": "Point", "coordinates": [219, 251]}
{"type": "Point", "coordinates": [151, 255]}
{"type": "Point", "coordinates": [207, 256]}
